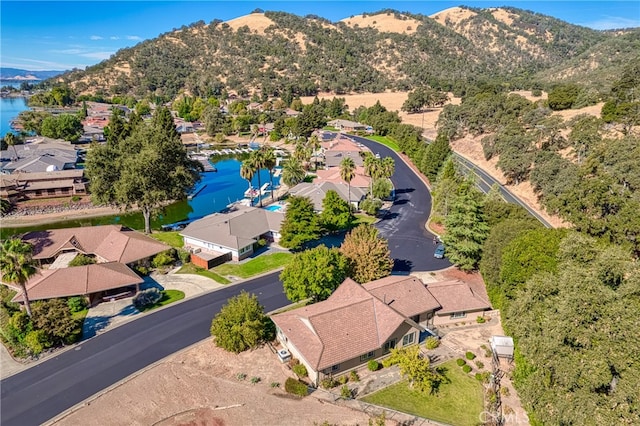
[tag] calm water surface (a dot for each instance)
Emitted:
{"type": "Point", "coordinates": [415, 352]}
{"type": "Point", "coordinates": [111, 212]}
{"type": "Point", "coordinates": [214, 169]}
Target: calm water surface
{"type": "Point", "coordinates": [9, 109]}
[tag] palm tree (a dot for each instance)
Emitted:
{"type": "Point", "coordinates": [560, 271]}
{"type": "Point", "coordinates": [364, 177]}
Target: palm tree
{"type": "Point", "coordinates": [372, 169]}
{"type": "Point", "coordinates": [17, 266]}
{"type": "Point", "coordinates": [10, 140]}
{"type": "Point", "coordinates": [387, 167]}
{"type": "Point", "coordinates": [347, 173]}
{"type": "Point", "coordinates": [246, 171]}
{"type": "Point", "coordinates": [314, 146]}
{"type": "Point", "coordinates": [256, 161]}
{"type": "Point", "coordinates": [269, 162]}
{"type": "Point", "coordinates": [292, 172]}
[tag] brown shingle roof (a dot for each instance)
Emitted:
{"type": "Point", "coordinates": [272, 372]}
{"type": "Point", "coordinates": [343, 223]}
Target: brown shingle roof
{"type": "Point", "coordinates": [80, 280]}
{"type": "Point", "coordinates": [113, 243]}
{"type": "Point", "coordinates": [456, 296]}
{"type": "Point", "coordinates": [365, 324]}
{"type": "Point", "coordinates": [405, 294]}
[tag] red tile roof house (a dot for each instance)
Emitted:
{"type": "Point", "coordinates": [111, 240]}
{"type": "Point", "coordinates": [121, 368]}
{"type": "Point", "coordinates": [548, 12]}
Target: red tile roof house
{"type": "Point", "coordinates": [459, 302]}
{"type": "Point", "coordinates": [355, 324]}
{"type": "Point", "coordinates": [358, 323]}
{"type": "Point", "coordinates": [219, 237]}
{"type": "Point", "coordinates": [114, 247]}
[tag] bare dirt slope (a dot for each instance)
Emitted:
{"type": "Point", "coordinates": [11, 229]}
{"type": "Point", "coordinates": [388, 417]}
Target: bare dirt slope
{"type": "Point", "coordinates": [199, 386]}
{"type": "Point", "coordinates": [385, 22]}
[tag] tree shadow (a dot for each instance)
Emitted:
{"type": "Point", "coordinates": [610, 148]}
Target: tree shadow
{"type": "Point", "coordinates": [402, 266]}
{"type": "Point", "coordinates": [93, 325]}
{"type": "Point", "coordinates": [404, 190]}
{"type": "Point", "coordinates": [400, 202]}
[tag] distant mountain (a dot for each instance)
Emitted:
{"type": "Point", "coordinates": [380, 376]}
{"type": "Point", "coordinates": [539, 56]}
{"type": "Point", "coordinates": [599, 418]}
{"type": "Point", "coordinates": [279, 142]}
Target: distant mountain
{"type": "Point", "coordinates": [26, 75]}
{"type": "Point", "coordinates": [280, 54]}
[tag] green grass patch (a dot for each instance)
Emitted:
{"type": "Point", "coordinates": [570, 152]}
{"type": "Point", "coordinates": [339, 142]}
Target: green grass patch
{"type": "Point", "coordinates": [190, 268]}
{"type": "Point", "coordinates": [80, 315]}
{"type": "Point", "coordinates": [168, 296]}
{"type": "Point", "coordinates": [364, 218]}
{"type": "Point", "coordinates": [386, 141]}
{"type": "Point", "coordinates": [458, 403]}
{"type": "Point", "coordinates": [172, 238]}
{"type": "Point", "coordinates": [255, 266]}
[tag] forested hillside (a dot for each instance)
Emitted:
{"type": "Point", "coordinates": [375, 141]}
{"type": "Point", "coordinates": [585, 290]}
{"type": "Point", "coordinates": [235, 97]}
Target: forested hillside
{"type": "Point", "coordinates": [276, 53]}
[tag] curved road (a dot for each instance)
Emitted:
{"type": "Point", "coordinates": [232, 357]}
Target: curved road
{"type": "Point", "coordinates": [44, 391]}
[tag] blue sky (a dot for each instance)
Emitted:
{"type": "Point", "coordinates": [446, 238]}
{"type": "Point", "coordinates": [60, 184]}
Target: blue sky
{"type": "Point", "coordinates": [47, 35]}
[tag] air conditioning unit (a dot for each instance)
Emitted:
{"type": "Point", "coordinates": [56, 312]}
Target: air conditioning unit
{"type": "Point", "coordinates": [196, 250]}
{"type": "Point", "coordinates": [284, 355]}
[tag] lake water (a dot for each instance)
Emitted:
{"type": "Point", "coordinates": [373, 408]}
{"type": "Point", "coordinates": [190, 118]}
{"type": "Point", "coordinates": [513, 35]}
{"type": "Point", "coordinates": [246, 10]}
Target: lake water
{"type": "Point", "coordinates": [222, 188]}
{"type": "Point", "coordinates": [9, 109]}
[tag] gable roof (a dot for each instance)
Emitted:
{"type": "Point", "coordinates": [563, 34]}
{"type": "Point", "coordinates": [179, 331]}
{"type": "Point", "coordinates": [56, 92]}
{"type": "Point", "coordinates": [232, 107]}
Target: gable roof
{"type": "Point", "coordinates": [79, 280]}
{"type": "Point", "coordinates": [332, 174]}
{"type": "Point", "coordinates": [113, 243]}
{"type": "Point", "coordinates": [235, 229]}
{"type": "Point", "coordinates": [367, 323]}
{"type": "Point", "coordinates": [456, 296]}
{"type": "Point", "coordinates": [317, 191]}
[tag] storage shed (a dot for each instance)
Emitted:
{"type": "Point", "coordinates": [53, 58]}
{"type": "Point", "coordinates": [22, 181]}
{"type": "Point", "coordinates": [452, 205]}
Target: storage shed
{"type": "Point", "coordinates": [502, 346]}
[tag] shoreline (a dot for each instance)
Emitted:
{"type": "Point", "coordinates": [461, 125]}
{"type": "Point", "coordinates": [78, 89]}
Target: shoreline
{"type": "Point", "coordinates": [47, 218]}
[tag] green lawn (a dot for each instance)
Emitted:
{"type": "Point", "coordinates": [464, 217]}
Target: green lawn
{"type": "Point", "coordinates": [387, 141]}
{"type": "Point", "coordinates": [458, 403]}
{"type": "Point", "coordinates": [172, 238]}
{"type": "Point", "coordinates": [363, 218]}
{"type": "Point", "coordinates": [168, 296]}
{"type": "Point", "coordinates": [190, 268]}
{"type": "Point", "coordinates": [255, 266]}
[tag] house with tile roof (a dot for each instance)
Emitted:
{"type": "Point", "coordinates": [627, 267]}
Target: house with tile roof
{"type": "Point", "coordinates": [230, 235]}
{"type": "Point", "coordinates": [458, 300]}
{"type": "Point", "coordinates": [316, 191]}
{"type": "Point", "coordinates": [358, 323]}
{"type": "Point", "coordinates": [115, 249]}
{"type": "Point", "coordinates": [355, 324]}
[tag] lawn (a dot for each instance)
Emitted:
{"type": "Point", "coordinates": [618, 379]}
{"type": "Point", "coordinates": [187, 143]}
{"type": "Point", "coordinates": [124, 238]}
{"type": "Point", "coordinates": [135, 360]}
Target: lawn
{"type": "Point", "coordinates": [457, 403]}
{"type": "Point", "coordinates": [190, 268]}
{"type": "Point", "coordinates": [168, 296]}
{"type": "Point", "coordinates": [387, 141]}
{"type": "Point", "coordinates": [364, 218]}
{"type": "Point", "coordinates": [255, 266]}
{"type": "Point", "coordinates": [173, 238]}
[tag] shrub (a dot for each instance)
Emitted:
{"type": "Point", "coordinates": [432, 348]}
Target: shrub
{"type": "Point", "coordinates": [470, 355]}
{"type": "Point", "coordinates": [483, 377]}
{"type": "Point", "coordinates": [295, 387]}
{"type": "Point", "coordinates": [21, 323]}
{"type": "Point", "coordinates": [466, 368]}
{"type": "Point", "coordinates": [328, 383]}
{"type": "Point", "coordinates": [536, 92]}
{"type": "Point", "coordinates": [479, 364]}
{"type": "Point", "coordinates": [370, 206]}
{"type": "Point", "coordinates": [300, 370]}
{"type": "Point", "coordinates": [141, 270]}
{"type": "Point", "coordinates": [487, 351]}
{"type": "Point", "coordinates": [147, 298]}
{"type": "Point", "coordinates": [343, 380]}
{"type": "Point", "coordinates": [77, 303]}
{"type": "Point", "coordinates": [36, 341]}
{"type": "Point", "coordinates": [275, 384]}
{"type": "Point", "coordinates": [353, 376]}
{"type": "Point", "coordinates": [81, 260]}
{"type": "Point", "coordinates": [255, 380]}
{"type": "Point", "coordinates": [345, 392]}
{"type": "Point", "coordinates": [504, 391]}
{"type": "Point", "coordinates": [164, 258]}
{"type": "Point", "coordinates": [75, 198]}
{"type": "Point", "coordinates": [184, 256]}
{"type": "Point", "coordinates": [373, 365]}
{"type": "Point", "coordinates": [432, 342]}
{"type": "Point", "coordinates": [480, 320]}
{"type": "Point", "coordinates": [241, 376]}
{"type": "Point", "coordinates": [460, 362]}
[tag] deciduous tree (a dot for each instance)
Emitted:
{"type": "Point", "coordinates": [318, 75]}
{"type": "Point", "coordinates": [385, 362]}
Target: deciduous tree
{"type": "Point", "coordinates": [417, 369]}
{"type": "Point", "coordinates": [368, 254]}
{"type": "Point", "coordinates": [301, 223]}
{"type": "Point", "coordinates": [336, 212]}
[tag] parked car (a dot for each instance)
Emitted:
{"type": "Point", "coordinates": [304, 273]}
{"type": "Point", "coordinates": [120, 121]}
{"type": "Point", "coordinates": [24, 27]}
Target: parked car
{"type": "Point", "coordinates": [439, 253]}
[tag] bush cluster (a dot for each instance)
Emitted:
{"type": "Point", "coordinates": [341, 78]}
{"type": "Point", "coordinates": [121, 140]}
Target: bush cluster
{"type": "Point", "coordinates": [373, 365]}
{"type": "Point", "coordinates": [300, 370]}
{"type": "Point", "coordinates": [295, 387]}
{"type": "Point", "coordinates": [460, 362]}
{"type": "Point", "coordinates": [77, 303]}
{"type": "Point", "coordinates": [147, 298]}
{"type": "Point", "coordinates": [470, 355]}
{"type": "Point", "coordinates": [466, 368]}
{"type": "Point", "coordinates": [432, 342]}
{"type": "Point", "coordinates": [328, 383]}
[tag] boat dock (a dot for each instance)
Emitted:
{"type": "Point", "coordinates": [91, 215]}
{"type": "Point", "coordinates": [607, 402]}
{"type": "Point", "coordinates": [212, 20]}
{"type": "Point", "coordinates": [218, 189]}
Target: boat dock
{"type": "Point", "coordinates": [196, 191]}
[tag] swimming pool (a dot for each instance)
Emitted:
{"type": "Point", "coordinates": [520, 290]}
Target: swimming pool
{"type": "Point", "coordinates": [273, 208]}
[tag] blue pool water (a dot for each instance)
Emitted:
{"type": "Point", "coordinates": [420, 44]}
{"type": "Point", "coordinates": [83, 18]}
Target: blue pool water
{"type": "Point", "coordinates": [273, 208]}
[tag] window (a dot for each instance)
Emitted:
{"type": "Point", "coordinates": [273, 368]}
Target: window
{"type": "Point", "coordinates": [335, 368]}
{"type": "Point", "coordinates": [51, 191]}
{"type": "Point", "coordinates": [408, 339]}
{"type": "Point", "coordinates": [367, 356]}
{"type": "Point", "coordinates": [458, 315]}
{"type": "Point", "coordinates": [391, 344]}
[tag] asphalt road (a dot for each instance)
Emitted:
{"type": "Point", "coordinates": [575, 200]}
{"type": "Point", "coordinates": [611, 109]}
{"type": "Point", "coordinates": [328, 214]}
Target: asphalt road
{"type": "Point", "coordinates": [411, 244]}
{"type": "Point", "coordinates": [47, 389]}
{"type": "Point", "coordinates": [44, 391]}
{"type": "Point", "coordinates": [485, 182]}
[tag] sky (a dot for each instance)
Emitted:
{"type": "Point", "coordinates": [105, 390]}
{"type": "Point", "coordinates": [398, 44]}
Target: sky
{"type": "Point", "coordinates": [55, 35]}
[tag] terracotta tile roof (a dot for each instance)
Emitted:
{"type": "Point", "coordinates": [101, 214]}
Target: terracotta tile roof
{"type": "Point", "coordinates": [332, 174]}
{"type": "Point", "coordinates": [456, 296]}
{"type": "Point", "coordinates": [317, 191]}
{"type": "Point", "coordinates": [112, 243]}
{"type": "Point", "coordinates": [365, 324]}
{"type": "Point", "coordinates": [79, 280]}
{"type": "Point", "coordinates": [406, 294]}
{"type": "Point", "coordinates": [235, 229]}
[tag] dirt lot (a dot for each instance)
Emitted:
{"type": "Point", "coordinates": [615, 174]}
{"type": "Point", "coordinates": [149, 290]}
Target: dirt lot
{"type": "Point", "coordinates": [199, 386]}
